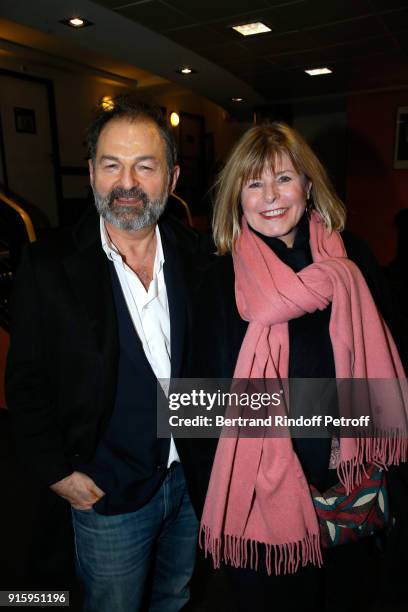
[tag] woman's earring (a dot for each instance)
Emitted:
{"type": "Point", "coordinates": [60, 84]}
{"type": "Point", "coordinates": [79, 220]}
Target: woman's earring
{"type": "Point", "coordinates": [309, 204]}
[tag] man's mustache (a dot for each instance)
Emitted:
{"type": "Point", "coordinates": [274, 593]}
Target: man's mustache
{"type": "Point", "coordinates": [135, 192]}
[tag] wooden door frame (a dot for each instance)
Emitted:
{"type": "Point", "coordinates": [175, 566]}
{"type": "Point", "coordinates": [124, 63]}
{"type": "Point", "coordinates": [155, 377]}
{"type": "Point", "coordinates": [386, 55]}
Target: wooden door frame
{"type": "Point", "coordinates": [55, 152]}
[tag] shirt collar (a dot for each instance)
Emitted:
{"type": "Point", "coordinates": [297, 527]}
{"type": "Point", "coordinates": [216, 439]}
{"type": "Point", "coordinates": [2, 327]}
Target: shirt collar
{"type": "Point", "coordinates": [113, 254]}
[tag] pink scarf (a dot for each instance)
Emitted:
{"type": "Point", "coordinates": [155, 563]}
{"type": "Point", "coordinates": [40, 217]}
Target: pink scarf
{"type": "Point", "coordinates": [258, 492]}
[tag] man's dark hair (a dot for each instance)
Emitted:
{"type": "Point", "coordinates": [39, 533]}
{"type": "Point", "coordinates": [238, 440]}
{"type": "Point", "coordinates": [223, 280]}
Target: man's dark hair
{"type": "Point", "coordinates": [127, 107]}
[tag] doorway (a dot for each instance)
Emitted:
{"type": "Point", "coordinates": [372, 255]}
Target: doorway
{"type": "Point", "coordinates": [29, 148]}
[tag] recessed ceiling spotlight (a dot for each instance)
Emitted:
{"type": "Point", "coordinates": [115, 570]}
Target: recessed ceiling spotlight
{"type": "Point", "coordinates": [76, 22]}
{"type": "Point", "coordinates": [186, 70]}
{"type": "Point", "coordinates": [318, 71]}
{"type": "Point", "coordinates": [249, 29]}
{"type": "Point", "coordinates": [237, 99]}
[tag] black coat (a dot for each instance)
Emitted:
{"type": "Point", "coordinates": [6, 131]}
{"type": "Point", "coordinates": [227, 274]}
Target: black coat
{"type": "Point", "coordinates": [63, 357]}
{"type": "Point", "coordinates": [217, 323]}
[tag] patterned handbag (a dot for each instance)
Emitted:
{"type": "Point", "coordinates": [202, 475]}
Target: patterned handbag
{"type": "Point", "coordinates": [347, 518]}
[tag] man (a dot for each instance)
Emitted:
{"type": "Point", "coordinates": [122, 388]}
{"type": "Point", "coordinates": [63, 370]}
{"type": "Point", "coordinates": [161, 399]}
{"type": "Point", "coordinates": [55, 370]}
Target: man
{"type": "Point", "coordinates": [100, 315]}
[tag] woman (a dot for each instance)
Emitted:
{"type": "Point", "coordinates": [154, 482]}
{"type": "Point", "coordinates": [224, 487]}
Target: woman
{"type": "Point", "coordinates": [310, 315]}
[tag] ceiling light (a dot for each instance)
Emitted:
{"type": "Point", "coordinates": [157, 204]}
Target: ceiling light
{"type": "Point", "coordinates": [76, 22]}
{"type": "Point", "coordinates": [318, 71]}
{"type": "Point", "coordinates": [186, 70]}
{"type": "Point", "coordinates": [249, 29]}
{"type": "Point", "coordinates": [237, 99]}
{"type": "Point", "coordinates": [174, 119]}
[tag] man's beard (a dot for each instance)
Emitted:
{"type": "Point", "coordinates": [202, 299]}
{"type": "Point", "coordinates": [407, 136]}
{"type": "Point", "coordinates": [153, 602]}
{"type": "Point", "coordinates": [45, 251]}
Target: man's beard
{"type": "Point", "coordinates": [131, 218]}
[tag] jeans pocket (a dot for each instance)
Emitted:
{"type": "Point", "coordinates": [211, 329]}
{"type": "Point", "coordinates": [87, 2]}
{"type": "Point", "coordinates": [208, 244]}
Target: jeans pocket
{"type": "Point", "coordinates": [83, 510]}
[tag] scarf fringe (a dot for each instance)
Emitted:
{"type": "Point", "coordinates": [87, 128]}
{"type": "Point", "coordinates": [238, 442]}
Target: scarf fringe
{"type": "Point", "coordinates": [243, 552]}
{"type": "Point", "coordinates": [382, 451]}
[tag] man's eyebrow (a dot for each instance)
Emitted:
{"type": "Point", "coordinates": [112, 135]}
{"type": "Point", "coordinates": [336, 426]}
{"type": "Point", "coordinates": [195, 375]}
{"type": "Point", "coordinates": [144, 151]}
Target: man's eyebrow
{"type": "Point", "coordinates": [109, 157]}
{"type": "Point", "coordinates": [138, 158]}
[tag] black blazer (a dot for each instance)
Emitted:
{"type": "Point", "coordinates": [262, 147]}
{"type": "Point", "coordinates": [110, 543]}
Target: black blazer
{"type": "Point", "coordinates": [62, 362]}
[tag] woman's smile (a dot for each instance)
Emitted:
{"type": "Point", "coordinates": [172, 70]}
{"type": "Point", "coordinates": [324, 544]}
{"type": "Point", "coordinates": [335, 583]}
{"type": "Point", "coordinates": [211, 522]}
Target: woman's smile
{"type": "Point", "coordinates": [274, 214]}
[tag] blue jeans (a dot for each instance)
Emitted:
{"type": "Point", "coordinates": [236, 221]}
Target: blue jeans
{"type": "Point", "coordinates": [116, 556]}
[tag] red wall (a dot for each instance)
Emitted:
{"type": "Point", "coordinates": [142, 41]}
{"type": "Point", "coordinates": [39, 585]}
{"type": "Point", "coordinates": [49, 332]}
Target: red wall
{"type": "Point", "coordinates": [375, 191]}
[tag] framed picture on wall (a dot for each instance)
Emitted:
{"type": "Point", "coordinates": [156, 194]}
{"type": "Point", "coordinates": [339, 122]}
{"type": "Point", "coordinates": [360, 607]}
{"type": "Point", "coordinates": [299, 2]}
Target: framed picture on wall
{"type": "Point", "coordinates": [24, 120]}
{"type": "Point", "coordinates": [401, 138]}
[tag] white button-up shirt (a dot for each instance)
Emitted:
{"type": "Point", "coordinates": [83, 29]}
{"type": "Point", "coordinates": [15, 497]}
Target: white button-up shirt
{"type": "Point", "coordinates": [149, 311]}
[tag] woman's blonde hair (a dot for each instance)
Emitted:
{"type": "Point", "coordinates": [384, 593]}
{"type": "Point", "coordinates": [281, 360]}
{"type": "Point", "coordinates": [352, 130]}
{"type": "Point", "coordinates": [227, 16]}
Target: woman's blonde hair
{"type": "Point", "coordinates": [262, 146]}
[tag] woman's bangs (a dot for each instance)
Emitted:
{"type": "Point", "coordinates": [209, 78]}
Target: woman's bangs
{"type": "Point", "coordinates": [258, 161]}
